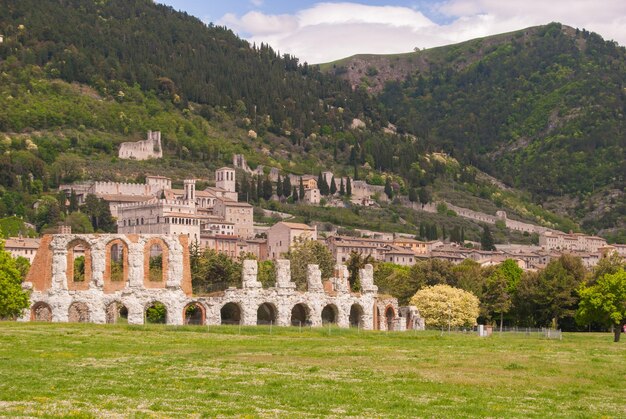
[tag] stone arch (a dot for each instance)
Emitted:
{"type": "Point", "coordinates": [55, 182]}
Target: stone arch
{"type": "Point", "coordinates": [116, 266]}
{"type": "Point", "coordinates": [78, 313]}
{"type": "Point", "coordinates": [390, 314]}
{"type": "Point", "coordinates": [156, 313]}
{"type": "Point", "coordinates": [300, 315]}
{"type": "Point", "coordinates": [194, 313]}
{"type": "Point", "coordinates": [156, 253]}
{"type": "Point", "coordinates": [356, 316]}
{"type": "Point", "coordinates": [330, 314]}
{"type": "Point", "coordinates": [41, 312]}
{"type": "Point", "coordinates": [116, 313]}
{"type": "Point", "coordinates": [266, 314]}
{"type": "Point", "coordinates": [231, 313]}
{"type": "Point", "coordinates": [78, 265]}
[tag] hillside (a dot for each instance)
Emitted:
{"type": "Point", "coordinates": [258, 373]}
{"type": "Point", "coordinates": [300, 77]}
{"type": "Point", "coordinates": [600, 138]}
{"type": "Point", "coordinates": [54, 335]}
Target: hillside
{"type": "Point", "coordinates": [71, 94]}
{"type": "Point", "coordinates": [540, 109]}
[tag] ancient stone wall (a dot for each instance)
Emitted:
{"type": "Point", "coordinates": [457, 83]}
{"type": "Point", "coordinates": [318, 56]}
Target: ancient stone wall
{"type": "Point", "coordinates": [99, 300]}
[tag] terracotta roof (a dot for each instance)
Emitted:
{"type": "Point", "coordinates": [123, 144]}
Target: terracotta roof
{"type": "Point", "coordinates": [25, 242]}
{"type": "Point", "coordinates": [298, 226]}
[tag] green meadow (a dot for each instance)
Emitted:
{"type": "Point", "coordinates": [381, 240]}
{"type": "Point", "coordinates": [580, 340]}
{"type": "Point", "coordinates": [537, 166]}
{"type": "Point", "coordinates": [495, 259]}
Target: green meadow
{"type": "Point", "coordinates": [83, 370]}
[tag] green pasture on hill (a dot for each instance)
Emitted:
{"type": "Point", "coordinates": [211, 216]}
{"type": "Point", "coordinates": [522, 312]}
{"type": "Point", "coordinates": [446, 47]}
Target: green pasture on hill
{"type": "Point", "coordinates": [86, 370]}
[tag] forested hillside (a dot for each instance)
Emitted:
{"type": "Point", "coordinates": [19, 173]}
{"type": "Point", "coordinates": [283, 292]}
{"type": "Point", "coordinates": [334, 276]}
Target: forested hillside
{"type": "Point", "coordinates": [176, 55]}
{"type": "Point", "coordinates": [542, 109]}
{"type": "Point", "coordinates": [79, 77]}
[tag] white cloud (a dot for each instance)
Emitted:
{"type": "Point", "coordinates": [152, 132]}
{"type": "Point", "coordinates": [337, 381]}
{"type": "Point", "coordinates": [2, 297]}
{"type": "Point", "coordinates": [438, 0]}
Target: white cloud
{"type": "Point", "coordinates": [256, 3]}
{"type": "Point", "coordinates": [329, 31]}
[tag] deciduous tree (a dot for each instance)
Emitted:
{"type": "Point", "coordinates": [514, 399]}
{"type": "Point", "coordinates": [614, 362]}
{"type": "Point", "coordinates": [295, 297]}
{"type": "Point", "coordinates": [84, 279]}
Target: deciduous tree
{"type": "Point", "coordinates": [605, 302]}
{"type": "Point", "coordinates": [443, 305]}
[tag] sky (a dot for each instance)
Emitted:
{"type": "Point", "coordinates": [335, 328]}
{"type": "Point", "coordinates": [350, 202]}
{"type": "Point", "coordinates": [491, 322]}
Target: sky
{"type": "Point", "coordinates": [323, 31]}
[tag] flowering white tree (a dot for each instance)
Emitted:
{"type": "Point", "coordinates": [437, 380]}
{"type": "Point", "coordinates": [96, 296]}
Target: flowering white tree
{"type": "Point", "coordinates": [443, 305]}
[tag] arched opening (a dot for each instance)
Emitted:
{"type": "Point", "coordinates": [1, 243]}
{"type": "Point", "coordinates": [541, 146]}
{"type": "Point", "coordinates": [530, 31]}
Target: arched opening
{"type": "Point", "coordinates": [266, 314]}
{"type": "Point", "coordinates": [155, 264]}
{"type": "Point", "coordinates": [78, 313]}
{"type": "Point", "coordinates": [389, 316]}
{"type": "Point", "coordinates": [356, 316]}
{"type": "Point", "coordinates": [300, 315]}
{"type": "Point", "coordinates": [329, 314]}
{"type": "Point", "coordinates": [78, 265]}
{"type": "Point", "coordinates": [116, 313]}
{"type": "Point", "coordinates": [41, 312]}
{"type": "Point", "coordinates": [230, 314]}
{"type": "Point", "coordinates": [194, 314]}
{"type": "Point", "coordinates": [156, 313]}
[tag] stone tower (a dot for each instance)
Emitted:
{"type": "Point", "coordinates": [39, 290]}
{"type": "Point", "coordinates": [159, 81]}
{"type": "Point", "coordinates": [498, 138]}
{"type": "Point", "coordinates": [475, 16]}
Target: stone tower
{"type": "Point", "coordinates": [190, 191]}
{"type": "Point", "coordinates": [225, 179]}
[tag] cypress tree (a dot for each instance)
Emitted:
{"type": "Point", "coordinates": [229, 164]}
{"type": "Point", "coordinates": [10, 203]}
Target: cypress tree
{"type": "Point", "coordinates": [294, 194]}
{"type": "Point", "coordinates": [486, 240]}
{"type": "Point", "coordinates": [279, 186]}
{"type": "Point", "coordinates": [348, 187]}
{"type": "Point", "coordinates": [259, 187]}
{"type": "Point", "coordinates": [333, 186]}
{"type": "Point", "coordinates": [342, 188]}
{"type": "Point", "coordinates": [388, 190]}
{"type": "Point", "coordinates": [287, 186]}
{"type": "Point", "coordinates": [267, 189]}
{"type": "Point", "coordinates": [301, 192]}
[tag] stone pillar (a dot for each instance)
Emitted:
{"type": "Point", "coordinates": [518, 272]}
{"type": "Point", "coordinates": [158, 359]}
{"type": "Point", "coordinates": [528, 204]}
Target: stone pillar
{"type": "Point", "coordinates": [136, 310]}
{"type": "Point", "coordinates": [283, 275]}
{"type": "Point", "coordinates": [314, 279]}
{"type": "Point", "coordinates": [59, 269]}
{"type": "Point", "coordinates": [249, 275]}
{"type": "Point", "coordinates": [340, 281]}
{"type": "Point", "coordinates": [366, 276]}
{"type": "Point", "coordinates": [135, 267]}
{"type": "Point", "coordinates": [174, 265]}
{"type": "Point", "coordinates": [98, 263]}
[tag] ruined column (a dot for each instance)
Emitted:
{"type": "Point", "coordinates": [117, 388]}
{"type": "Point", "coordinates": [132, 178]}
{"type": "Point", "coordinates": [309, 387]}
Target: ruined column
{"type": "Point", "coordinates": [314, 278]}
{"type": "Point", "coordinates": [135, 266]}
{"type": "Point", "coordinates": [249, 275]}
{"type": "Point", "coordinates": [340, 281]}
{"type": "Point", "coordinates": [366, 275]}
{"type": "Point", "coordinates": [283, 275]}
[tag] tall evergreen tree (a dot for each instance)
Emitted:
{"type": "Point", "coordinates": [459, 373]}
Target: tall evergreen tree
{"type": "Point", "coordinates": [388, 189]}
{"type": "Point", "coordinates": [486, 240]}
{"type": "Point", "coordinates": [348, 187]}
{"type": "Point", "coordinates": [301, 191]}
{"type": "Point", "coordinates": [294, 194]}
{"type": "Point", "coordinates": [268, 190]}
{"type": "Point", "coordinates": [279, 186]}
{"type": "Point", "coordinates": [287, 186]}
{"type": "Point", "coordinates": [333, 186]}
{"type": "Point", "coordinates": [342, 188]}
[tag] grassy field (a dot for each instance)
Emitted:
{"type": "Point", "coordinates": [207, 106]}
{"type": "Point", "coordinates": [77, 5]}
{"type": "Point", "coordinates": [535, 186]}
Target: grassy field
{"type": "Point", "coordinates": [97, 370]}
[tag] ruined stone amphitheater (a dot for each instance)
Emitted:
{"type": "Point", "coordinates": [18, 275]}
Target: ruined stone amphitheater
{"type": "Point", "coordinates": [112, 277]}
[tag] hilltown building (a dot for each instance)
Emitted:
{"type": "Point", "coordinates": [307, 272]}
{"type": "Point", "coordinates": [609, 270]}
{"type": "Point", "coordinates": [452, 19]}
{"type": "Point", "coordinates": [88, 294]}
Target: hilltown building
{"type": "Point", "coordinates": [117, 278]}
{"type": "Point", "coordinates": [283, 235]}
{"type": "Point", "coordinates": [25, 247]}
{"type": "Point", "coordinates": [551, 240]}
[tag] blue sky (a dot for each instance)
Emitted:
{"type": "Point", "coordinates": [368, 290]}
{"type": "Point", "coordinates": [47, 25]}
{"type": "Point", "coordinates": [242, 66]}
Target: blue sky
{"type": "Point", "coordinates": [321, 31]}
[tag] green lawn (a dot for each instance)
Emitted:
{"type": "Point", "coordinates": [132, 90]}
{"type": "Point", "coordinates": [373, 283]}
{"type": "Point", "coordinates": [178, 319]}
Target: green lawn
{"type": "Point", "coordinates": [98, 370]}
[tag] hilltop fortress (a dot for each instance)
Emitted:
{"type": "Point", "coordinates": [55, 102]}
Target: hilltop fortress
{"type": "Point", "coordinates": [104, 278]}
{"type": "Point", "coordinates": [143, 150]}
